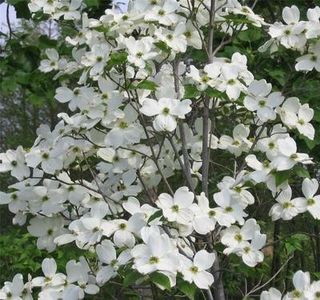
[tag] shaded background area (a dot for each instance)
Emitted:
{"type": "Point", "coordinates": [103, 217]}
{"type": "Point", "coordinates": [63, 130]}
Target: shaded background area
{"type": "Point", "coordinates": [26, 101]}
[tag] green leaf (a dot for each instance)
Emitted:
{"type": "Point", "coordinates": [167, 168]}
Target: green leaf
{"type": "Point", "coordinates": [188, 289]}
{"type": "Point", "coordinates": [22, 10]}
{"type": "Point", "coordinates": [190, 91]}
{"type": "Point", "coordinates": [281, 177]}
{"type": "Point", "coordinates": [316, 115]}
{"type": "Point", "coordinates": [302, 172]}
{"type": "Point", "coordinates": [278, 75]}
{"type": "Point", "coordinates": [147, 85]}
{"type": "Point", "coordinates": [156, 215]}
{"type": "Point", "coordinates": [300, 237]}
{"type": "Point", "coordinates": [132, 295]}
{"type": "Point", "coordinates": [45, 42]}
{"type": "Point", "coordinates": [163, 46]}
{"type": "Point", "coordinates": [8, 85]}
{"type": "Point", "coordinates": [316, 275]}
{"type": "Point", "coordinates": [36, 100]}
{"type": "Point", "coordinates": [22, 77]}
{"type": "Point", "coordinates": [295, 242]}
{"type": "Point", "coordinates": [250, 35]}
{"type": "Point", "coordinates": [92, 3]}
{"type": "Point", "coordinates": [310, 143]}
{"type": "Point", "coordinates": [131, 278]}
{"type": "Point", "coordinates": [117, 58]}
{"type": "Point", "coordinates": [14, 2]}
{"type": "Point", "coordinates": [212, 93]}
{"type": "Point", "coordinates": [161, 280]}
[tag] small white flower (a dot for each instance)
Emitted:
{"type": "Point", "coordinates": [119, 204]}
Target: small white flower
{"type": "Point", "coordinates": [288, 156]}
{"type": "Point", "coordinates": [157, 254]}
{"type": "Point", "coordinates": [195, 271]}
{"type": "Point", "coordinates": [108, 256]}
{"type": "Point", "coordinates": [177, 208]}
{"type": "Point", "coordinates": [165, 14]}
{"type": "Point", "coordinates": [51, 278]}
{"type": "Point", "coordinates": [271, 294]}
{"type": "Point", "coordinates": [167, 111]}
{"type": "Point", "coordinates": [238, 143]}
{"type": "Point", "coordinates": [301, 283]}
{"type": "Point", "coordinates": [309, 202]}
{"type": "Point", "coordinates": [261, 100]}
{"type": "Point", "coordinates": [285, 209]}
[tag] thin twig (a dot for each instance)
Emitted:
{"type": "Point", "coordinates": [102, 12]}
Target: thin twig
{"type": "Point", "coordinates": [257, 287]}
{"type": "Point", "coordinates": [185, 154]}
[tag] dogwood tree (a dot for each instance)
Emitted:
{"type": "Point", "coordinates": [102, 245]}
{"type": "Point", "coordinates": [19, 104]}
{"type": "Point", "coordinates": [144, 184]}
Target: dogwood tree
{"type": "Point", "coordinates": [132, 173]}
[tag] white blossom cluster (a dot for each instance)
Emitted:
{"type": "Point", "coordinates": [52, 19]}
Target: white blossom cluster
{"type": "Point", "coordinates": [92, 180]}
{"type": "Point", "coordinates": [303, 289]}
{"type": "Point", "coordinates": [302, 36]}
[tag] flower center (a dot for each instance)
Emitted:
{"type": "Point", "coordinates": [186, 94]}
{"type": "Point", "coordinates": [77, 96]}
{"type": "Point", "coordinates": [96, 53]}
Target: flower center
{"type": "Point", "coordinates": [153, 260]}
{"type": "Point", "coordinates": [266, 164]}
{"type": "Point", "coordinates": [313, 58]}
{"type": "Point", "coordinates": [271, 145]}
{"type": "Point", "coordinates": [139, 54]}
{"type": "Point", "coordinates": [228, 209]}
{"type": "Point", "coordinates": [236, 143]}
{"type": "Point", "coordinates": [113, 263]}
{"type": "Point", "coordinates": [166, 111]}
{"type": "Point", "coordinates": [169, 37]}
{"type": "Point", "coordinates": [287, 204]}
{"type": "Point", "coordinates": [262, 103]}
{"type": "Point", "coordinates": [246, 249]}
{"type": "Point", "coordinates": [122, 226]}
{"type": "Point", "coordinates": [231, 82]}
{"type": "Point", "coordinates": [294, 156]}
{"type": "Point", "coordinates": [211, 213]}
{"type": "Point", "coordinates": [311, 202]}
{"type": "Point", "coordinates": [238, 237]}
{"type": "Point", "coordinates": [296, 294]}
{"type": "Point", "coordinates": [194, 269]}
{"type": "Point", "coordinates": [238, 189]}
{"type": "Point", "coordinates": [14, 163]}
{"type": "Point", "coordinates": [205, 79]}
{"type": "Point", "coordinates": [45, 155]}
{"type": "Point", "coordinates": [245, 10]}
{"type": "Point", "coordinates": [123, 125]}
{"type": "Point", "coordinates": [175, 208]}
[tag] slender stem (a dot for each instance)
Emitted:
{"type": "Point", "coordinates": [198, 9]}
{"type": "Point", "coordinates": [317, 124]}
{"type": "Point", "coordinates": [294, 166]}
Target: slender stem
{"type": "Point", "coordinates": [259, 287]}
{"type": "Point", "coordinates": [205, 129]}
{"type": "Point", "coordinates": [205, 147]}
{"type": "Point", "coordinates": [219, 289]}
{"type": "Point", "coordinates": [187, 168]}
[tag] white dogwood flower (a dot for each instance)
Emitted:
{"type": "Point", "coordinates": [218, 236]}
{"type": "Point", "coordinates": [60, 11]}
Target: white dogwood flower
{"type": "Point", "coordinates": [167, 111]}
{"type": "Point", "coordinates": [309, 202]}
{"type": "Point", "coordinates": [196, 270]}
{"type": "Point", "coordinates": [285, 208]}
{"type": "Point", "coordinates": [261, 100]}
{"type": "Point", "coordinates": [177, 208]}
